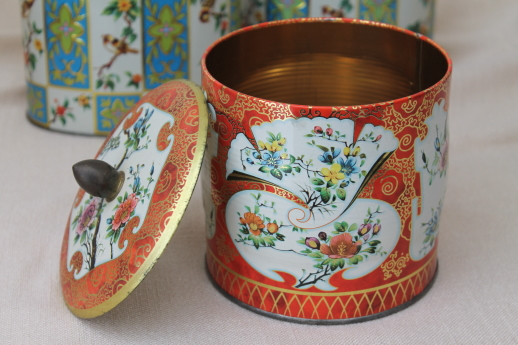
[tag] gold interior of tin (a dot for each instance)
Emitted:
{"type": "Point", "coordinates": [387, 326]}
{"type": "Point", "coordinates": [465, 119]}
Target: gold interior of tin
{"type": "Point", "coordinates": [326, 63]}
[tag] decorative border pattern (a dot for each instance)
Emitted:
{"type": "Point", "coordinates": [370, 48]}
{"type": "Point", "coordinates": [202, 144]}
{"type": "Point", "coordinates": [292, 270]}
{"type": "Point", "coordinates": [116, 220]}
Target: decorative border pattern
{"type": "Point", "coordinates": [166, 46]}
{"type": "Point", "coordinates": [67, 43]}
{"type": "Point", "coordinates": [286, 9]}
{"type": "Point", "coordinates": [321, 305]}
{"type": "Point", "coordinates": [111, 109]}
{"type": "Point", "coordinates": [37, 108]}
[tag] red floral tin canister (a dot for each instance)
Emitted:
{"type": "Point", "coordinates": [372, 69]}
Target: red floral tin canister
{"type": "Point", "coordinates": [326, 167]}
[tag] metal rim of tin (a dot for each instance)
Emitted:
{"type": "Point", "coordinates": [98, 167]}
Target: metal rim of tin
{"type": "Point", "coordinates": [329, 322]}
{"type": "Point", "coordinates": [382, 26]}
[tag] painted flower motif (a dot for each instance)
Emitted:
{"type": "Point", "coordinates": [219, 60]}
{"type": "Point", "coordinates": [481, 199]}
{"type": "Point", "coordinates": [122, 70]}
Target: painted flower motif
{"type": "Point", "coordinates": [341, 246]}
{"type": "Point", "coordinates": [88, 216]}
{"type": "Point", "coordinates": [276, 146]}
{"type": "Point", "coordinates": [60, 110]}
{"type": "Point", "coordinates": [376, 228]}
{"type": "Point", "coordinates": [329, 132]}
{"type": "Point", "coordinates": [349, 166]}
{"type": "Point", "coordinates": [313, 242]}
{"type": "Point", "coordinates": [356, 151]}
{"type": "Point", "coordinates": [83, 100]}
{"type": "Point", "coordinates": [347, 151]}
{"type": "Point", "coordinates": [123, 213]}
{"type": "Point", "coordinates": [136, 78]}
{"type": "Point", "coordinates": [329, 156]}
{"type": "Point", "coordinates": [124, 5]}
{"type": "Point", "coordinates": [333, 174]}
{"type": "Point", "coordinates": [38, 45]}
{"type": "Point", "coordinates": [66, 28]}
{"type": "Point", "coordinates": [272, 228]}
{"type": "Point", "coordinates": [378, 138]}
{"type": "Point", "coordinates": [364, 229]}
{"type": "Point", "coordinates": [271, 160]}
{"type": "Point", "coordinates": [254, 223]}
{"type": "Point", "coordinates": [318, 130]}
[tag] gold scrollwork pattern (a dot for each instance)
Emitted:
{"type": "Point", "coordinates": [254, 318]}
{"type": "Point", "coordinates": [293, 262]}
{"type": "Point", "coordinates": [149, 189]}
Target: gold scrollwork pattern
{"type": "Point", "coordinates": [395, 265]}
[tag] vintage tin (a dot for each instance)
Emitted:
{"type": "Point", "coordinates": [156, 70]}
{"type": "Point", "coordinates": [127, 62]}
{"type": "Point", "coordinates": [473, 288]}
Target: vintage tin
{"type": "Point", "coordinates": [88, 62]}
{"type": "Point", "coordinates": [415, 15]}
{"type": "Point", "coordinates": [327, 166]}
{"type": "Point", "coordinates": [316, 213]}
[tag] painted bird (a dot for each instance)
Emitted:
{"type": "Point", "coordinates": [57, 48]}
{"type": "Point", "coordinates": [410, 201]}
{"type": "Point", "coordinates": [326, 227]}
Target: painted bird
{"type": "Point", "coordinates": [26, 6]}
{"type": "Point", "coordinates": [206, 7]}
{"type": "Point", "coordinates": [121, 47]}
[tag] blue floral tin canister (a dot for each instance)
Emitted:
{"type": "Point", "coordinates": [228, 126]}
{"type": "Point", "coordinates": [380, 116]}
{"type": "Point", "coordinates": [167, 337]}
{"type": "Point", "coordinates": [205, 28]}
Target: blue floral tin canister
{"type": "Point", "coordinates": [88, 62]}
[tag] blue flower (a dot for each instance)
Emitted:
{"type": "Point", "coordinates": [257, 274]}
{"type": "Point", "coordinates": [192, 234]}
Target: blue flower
{"type": "Point", "coordinates": [136, 184]}
{"type": "Point", "coordinates": [271, 160]}
{"type": "Point", "coordinates": [329, 156]}
{"type": "Point", "coordinates": [256, 155]}
{"type": "Point", "coordinates": [250, 161]}
{"type": "Point", "coordinates": [349, 167]}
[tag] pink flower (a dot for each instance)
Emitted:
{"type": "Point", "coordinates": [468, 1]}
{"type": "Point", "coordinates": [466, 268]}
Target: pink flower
{"type": "Point", "coordinates": [364, 229]}
{"type": "Point", "coordinates": [123, 213]}
{"type": "Point", "coordinates": [444, 157]}
{"type": "Point", "coordinates": [329, 132]}
{"type": "Point", "coordinates": [318, 130]}
{"type": "Point", "coordinates": [88, 216]}
{"type": "Point", "coordinates": [377, 138]}
{"type": "Point", "coordinates": [341, 246]}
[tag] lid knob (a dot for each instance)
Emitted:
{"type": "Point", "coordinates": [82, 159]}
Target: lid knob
{"type": "Point", "coordinates": [98, 178]}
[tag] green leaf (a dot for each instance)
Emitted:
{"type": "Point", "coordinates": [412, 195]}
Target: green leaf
{"type": "Point", "coordinates": [316, 255]}
{"type": "Point", "coordinates": [264, 169]}
{"type": "Point", "coordinates": [256, 209]}
{"type": "Point", "coordinates": [276, 173]}
{"type": "Point", "coordinates": [309, 135]}
{"type": "Point", "coordinates": [364, 172]}
{"type": "Point", "coordinates": [370, 250]}
{"type": "Point", "coordinates": [341, 263]}
{"type": "Point", "coordinates": [353, 227]}
{"type": "Point", "coordinates": [317, 181]}
{"type": "Point", "coordinates": [323, 148]}
{"type": "Point", "coordinates": [374, 242]}
{"type": "Point", "coordinates": [341, 193]}
{"type": "Point", "coordinates": [325, 194]}
{"type": "Point", "coordinates": [302, 240]}
{"type": "Point", "coordinates": [292, 159]}
{"type": "Point", "coordinates": [297, 169]}
{"type": "Point", "coordinates": [280, 237]}
{"type": "Point", "coordinates": [334, 265]}
{"type": "Point", "coordinates": [248, 208]}
{"type": "Point", "coordinates": [285, 169]}
{"type": "Point", "coordinates": [256, 242]}
{"type": "Point", "coordinates": [270, 240]}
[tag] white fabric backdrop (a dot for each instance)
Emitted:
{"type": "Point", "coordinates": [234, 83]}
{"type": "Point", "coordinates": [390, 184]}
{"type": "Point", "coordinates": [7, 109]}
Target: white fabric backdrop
{"type": "Point", "coordinates": [472, 302]}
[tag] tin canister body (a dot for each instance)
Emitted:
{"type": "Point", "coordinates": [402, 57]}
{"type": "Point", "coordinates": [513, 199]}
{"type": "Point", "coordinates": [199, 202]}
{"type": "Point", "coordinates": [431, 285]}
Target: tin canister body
{"type": "Point", "coordinates": [415, 15]}
{"type": "Point", "coordinates": [88, 62]}
{"type": "Point", "coordinates": [323, 214]}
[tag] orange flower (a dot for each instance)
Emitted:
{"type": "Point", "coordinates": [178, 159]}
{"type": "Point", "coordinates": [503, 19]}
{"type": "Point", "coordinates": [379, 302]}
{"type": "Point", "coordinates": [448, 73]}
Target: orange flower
{"type": "Point", "coordinates": [124, 5]}
{"type": "Point", "coordinates": [272, 228]}
{"type": "Point", "coordinates": [83, 100]}
{"type": "Point", "coordinates": [38, 45]}
{"type": "Point", "coordinates": [341, 246]}
{"type": "Point", "coordinates": [136, 78]}
{"type": "Point", "coordinates": [254, 222]}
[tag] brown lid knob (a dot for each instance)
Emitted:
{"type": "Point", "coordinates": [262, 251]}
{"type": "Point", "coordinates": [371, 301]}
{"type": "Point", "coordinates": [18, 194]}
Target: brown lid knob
{"type": "Point", "coordinates": [98, 178]}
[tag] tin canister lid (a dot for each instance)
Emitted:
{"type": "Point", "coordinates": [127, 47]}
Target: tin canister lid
{"type": "Point", "coordinates": [142, 180]}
